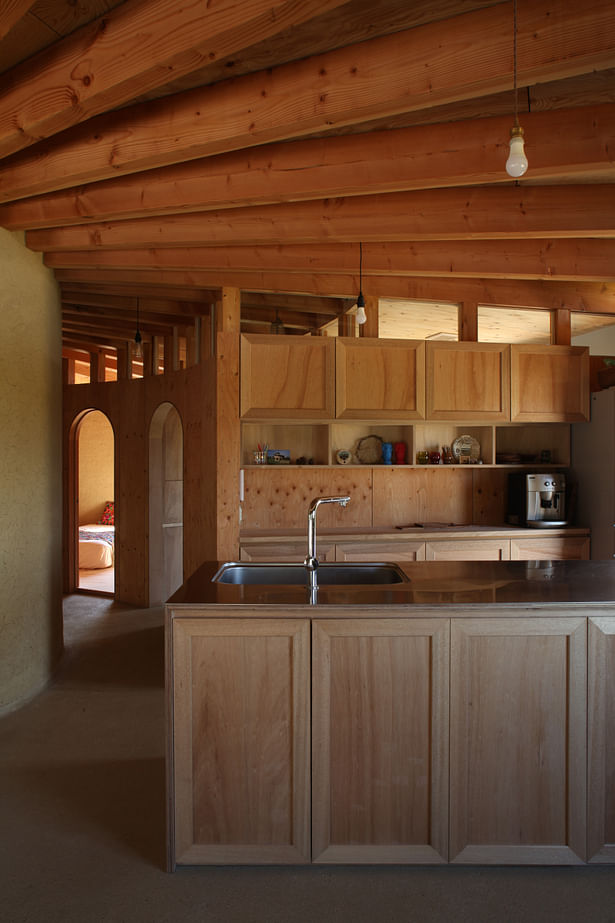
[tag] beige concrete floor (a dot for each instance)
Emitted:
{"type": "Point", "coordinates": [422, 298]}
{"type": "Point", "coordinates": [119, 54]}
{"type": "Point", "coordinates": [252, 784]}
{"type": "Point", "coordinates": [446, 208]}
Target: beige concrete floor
{"type": "Point", "coordinates": [82, 818]}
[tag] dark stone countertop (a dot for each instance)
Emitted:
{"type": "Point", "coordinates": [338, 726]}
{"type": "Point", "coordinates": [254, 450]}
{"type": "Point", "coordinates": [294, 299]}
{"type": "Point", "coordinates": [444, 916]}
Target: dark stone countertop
{"type": "Point", "coordinates": [566, 585]}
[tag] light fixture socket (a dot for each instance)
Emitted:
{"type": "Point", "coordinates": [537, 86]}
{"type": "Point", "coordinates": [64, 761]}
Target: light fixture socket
{"type": "Point", "coordinates": [516, 165]}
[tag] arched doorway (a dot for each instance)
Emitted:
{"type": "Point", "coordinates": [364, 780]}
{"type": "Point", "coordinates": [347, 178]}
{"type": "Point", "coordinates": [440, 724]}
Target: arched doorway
{"type": "Point", "coordinates": [166, 504]}
{"type": "Point", "coordinates": [95, 503]}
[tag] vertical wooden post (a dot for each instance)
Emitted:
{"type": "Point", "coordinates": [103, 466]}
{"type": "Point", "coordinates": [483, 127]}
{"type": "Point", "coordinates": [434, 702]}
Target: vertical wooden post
{"type": "Point", "coordinates": [97, 365]}
{"type": "Point", "coordinates": [147, 359]}
{"type": "Point", "coordinates": [346, 325]}
{"type": "Point", "coordinates": [68, 371]}
{"type": "Point", "coordinates": [228, 454]}
{"type": "Point", "coordinates": [468, 321]}
{"type": "Point", "coordinates": [561, 330]}
{"type": "Point", "coordinates": [169, 344]}
{"type": "Point", "coordinates": [123, 362]}
{"type": "Point", "coordinates": [370, 327]}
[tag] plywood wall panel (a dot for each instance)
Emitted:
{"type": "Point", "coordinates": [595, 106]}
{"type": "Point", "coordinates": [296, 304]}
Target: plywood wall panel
{"type": "Point", "coordinates": [278, 497]}
{"type": "Point", "coordinates": [404, 496]}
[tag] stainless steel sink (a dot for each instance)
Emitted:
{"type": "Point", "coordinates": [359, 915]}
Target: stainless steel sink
{"type": "Point", "coordinates": [283, 574]}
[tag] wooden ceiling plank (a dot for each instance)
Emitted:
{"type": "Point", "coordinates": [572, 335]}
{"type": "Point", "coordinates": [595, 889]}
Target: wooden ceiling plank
{"type": "Point", "coordinates": [563, 143]}
{"type": "Point", "coordinates": [11, 12]}
{"type": "Point", "coordinates": [101, 66]}
{"type": "Point", "coordinates": [590, 297]}
{"type": "Point", "coordinates": [100, 313]}
{"type": "Point", "coordinates": [443, 214]}
{"type": "Point", "coordinates": [405, 71]}
{"type": "Point", "coordinates": [563, 259]}
{"type": "Point", "coordinates": [201, 301]}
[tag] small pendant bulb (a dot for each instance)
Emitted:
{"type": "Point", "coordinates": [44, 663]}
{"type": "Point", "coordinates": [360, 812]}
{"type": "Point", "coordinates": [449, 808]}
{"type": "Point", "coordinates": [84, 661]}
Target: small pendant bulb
{"type": "Point", "coordinates": [516, 165]}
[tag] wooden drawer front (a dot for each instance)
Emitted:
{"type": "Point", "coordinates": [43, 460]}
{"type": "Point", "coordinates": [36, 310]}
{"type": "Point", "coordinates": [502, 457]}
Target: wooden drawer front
{"type": "Point", "coordinates": [518, 725]}
{"type": "Point", "coordinates": [287, 377]}
{"type": "Point", "coordinates": [380, 740]}
{"type": "Point", "coordinates": [550, 548]}
{"type": "Point", "coordinates": [380, 377]}
{"type": "Point", "coordinates": [471, 550]}
{"type": "Point", "coordinates": [241, 740]}
{"type": "Point", "coordinates": [284, 551]}
{"type": "Point", "coordinates": [601, 740]}
{"type": "Point", "coordinates": [468, 381]}
{"type": "Point", "coordinates": [549, 383]}
{"type": "Point", "coordinates": [380, 551]}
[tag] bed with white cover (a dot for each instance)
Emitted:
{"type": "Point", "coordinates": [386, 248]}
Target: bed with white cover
{"type": "Point", "coordinates": [96, 546]}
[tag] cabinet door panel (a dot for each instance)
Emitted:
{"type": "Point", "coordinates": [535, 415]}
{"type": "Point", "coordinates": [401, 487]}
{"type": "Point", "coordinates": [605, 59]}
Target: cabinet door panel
{"type": "Point", "coordinates": [549, 549]}
{"type": "Point", "coordinates": [380, 551]}
{"type": "Point", "coordinates": [380, 740]}
{"type": "Point", "coordinates": [549, 383]}
{"type": "Point", "coordinates": [240, 741]}
{"type": "Point", "coordinates": [468, 381]}
{"type": "Point", "coordinates": [471, 550]}
{"type": "Point", "coordinates": [384, 378]}
{"type": "Point", "coordinates": [283, 376]}
{"type": "Point", "coordinates": [518, 722]}
{"type": "Point", "coordinates": [601, 741]}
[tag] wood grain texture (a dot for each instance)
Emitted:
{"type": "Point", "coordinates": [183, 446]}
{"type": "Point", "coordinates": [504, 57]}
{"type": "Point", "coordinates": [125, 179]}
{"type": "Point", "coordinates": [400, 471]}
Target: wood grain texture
{"type": "Point", "coordinates": [379, 377]}
{"type": "Point", "coordinates": [370, 550]}
{"type": "Point", "coordinates": [276, 497]}
{"type": "Point", "coordinates": [285, 551]}
{"type": "Point", "coordinates": [549, 383]}
{"type": "Point", "coordinates": [287, 376]}
{"type": "Point", "coordinates": [601, 742]}
{"type": "Point", "coordinates": [488, 549]}
{"type": "Point", "coordinates": [468, 381]}
{"type": "Point", "coordinates": [241, 740]}
{"type": "Point", "coordinates": [380, 740]}
{"type": "Point", "coordinates": [518, 724]}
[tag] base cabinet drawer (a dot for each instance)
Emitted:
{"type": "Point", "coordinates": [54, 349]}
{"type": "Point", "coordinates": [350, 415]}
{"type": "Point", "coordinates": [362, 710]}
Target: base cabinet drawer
{"type": "Point", "coordinates": [294, 552]}
{"type": "Point", "coordinates": [549, 548]}
{"type": "Point", "coordinates": [380, 551]}
{"type": "Point", "coordinates": [487, 549]}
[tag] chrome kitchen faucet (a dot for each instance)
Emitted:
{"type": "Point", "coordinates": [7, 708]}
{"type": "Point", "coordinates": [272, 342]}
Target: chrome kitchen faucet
{"type": "Point", "coordinates": [311, 561]}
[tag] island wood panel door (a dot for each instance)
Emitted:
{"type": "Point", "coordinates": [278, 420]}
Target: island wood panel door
{"type": "Point", "coordinates": [240, 741]}
{"type": "Point", "coordinates": [380, 740]}
{"type": "Point", "coordinates": [380, 551]}
{"type": "Point", "coordinates": [293, 551]}
{"type": "Point", "coordinates": [518, 745]}
{"type": "Point", "coordinates": [380, 378]}
{"type": "Point", "coordinates": [468, 381]}
{"type": "Point", "coordinates": [287, 377]}
{"type": "Point", "coordinates": [478, 549]}
{"type": "Point", "coordinates": [601, 740]}
{"type": "Point", "coordinates": [549, 383]}
{"type": "Point", "coordinates": [550, 548]}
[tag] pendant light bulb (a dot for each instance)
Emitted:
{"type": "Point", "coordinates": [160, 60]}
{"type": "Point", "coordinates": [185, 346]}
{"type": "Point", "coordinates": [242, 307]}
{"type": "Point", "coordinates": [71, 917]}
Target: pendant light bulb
{"type": "Point", "coordinates": [361, 315]}
{"type": "Point", "coordinates": [138, 345]}
{"type": "Point", "coordinates": [516, 165]}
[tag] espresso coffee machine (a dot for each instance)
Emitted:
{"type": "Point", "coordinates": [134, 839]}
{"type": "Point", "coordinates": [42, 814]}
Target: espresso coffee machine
{"type": "Point", "coordinates": [537, 500]}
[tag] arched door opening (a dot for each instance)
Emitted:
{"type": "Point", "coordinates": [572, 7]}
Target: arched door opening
{"type": "Point", "coordinates": [166, 504]}
{"type": "Point", "coordinates": [95, 503]}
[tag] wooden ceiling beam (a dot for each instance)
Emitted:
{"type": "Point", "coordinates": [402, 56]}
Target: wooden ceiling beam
{"type": "Point", "coordinates": [558, 259]}
{"type": "Point", "coordinates": [89, 291]}
{"type": "Point", "coordinates": [112, 314]}
{"type": "Point", "coordinates": [100, 66]}
{"type": "Point", "coordinates": [590, 297]}
{"type": "Point", "coordinates": [426, 66]}
{"type": "Point", "coordinates": [566, 143]}
{"type": "Point", "coordinates": [102, 323]}
{"type": "Point", "coordinates": [436, 214]}
{"type": "Point", "coordinates": [332, 307]}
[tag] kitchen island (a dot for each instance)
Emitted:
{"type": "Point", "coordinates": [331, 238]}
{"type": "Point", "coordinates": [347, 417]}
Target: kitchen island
{"type": "Point", "coordinates": [464, 715]}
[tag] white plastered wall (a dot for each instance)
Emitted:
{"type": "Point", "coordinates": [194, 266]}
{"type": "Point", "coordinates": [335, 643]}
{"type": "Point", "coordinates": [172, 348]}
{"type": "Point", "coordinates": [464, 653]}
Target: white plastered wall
{"type": "Point", "coordinates": [30, 473]}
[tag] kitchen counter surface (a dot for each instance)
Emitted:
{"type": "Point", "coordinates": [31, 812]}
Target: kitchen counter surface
{"type": "Point", "coordinates": [434, 585]}
{"type": "Point", "coordinates": [415, 530]}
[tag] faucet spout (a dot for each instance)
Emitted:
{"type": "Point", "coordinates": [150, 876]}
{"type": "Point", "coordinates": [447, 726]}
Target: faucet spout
{"type": "Point", "coordinates": [311, 560]}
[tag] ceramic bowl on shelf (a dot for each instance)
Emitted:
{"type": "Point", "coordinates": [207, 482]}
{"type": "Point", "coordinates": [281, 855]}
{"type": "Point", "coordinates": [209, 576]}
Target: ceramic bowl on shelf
{"type": "Point", "coordinates": [466, 449]}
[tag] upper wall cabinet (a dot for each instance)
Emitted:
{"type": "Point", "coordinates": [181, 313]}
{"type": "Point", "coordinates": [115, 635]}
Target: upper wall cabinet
{"type": "Point", "coordinates": [380, 378]}
{"type": "Point", "coordinates": [549, 383]}
{"type": "Point", "coordinates": [468, 381]}
{"type": "Point", "coordinates": [283, 376]}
